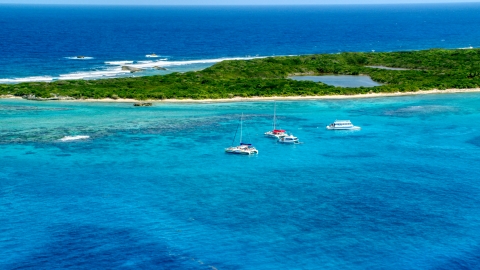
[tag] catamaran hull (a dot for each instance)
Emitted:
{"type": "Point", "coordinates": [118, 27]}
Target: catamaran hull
{"type": "Point", "coordinates": [236, 152]}
{"type": "Point", "coordinates": [274, 136]}
{"type": "Point", "coordinates": [343, 128]}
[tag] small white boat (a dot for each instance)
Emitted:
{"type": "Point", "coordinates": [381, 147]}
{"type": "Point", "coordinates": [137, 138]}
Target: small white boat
{"type": "Point", "coordinates": [151, 55]}
{"type": "Point", "coordinates": [342, 125]}
{"type": "Point", "coordinates": [290, 139]}
{"type": "Point", "coordinates": [74, 138]}
{"type": "Point", "coordinates": [275, 133]}
{"type": "Point", "coordinates": [243, 148]}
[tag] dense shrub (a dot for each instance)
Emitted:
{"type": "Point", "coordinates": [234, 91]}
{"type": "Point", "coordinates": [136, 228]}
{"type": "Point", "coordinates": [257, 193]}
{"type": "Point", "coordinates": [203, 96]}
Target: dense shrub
{"type": "Point", "coordinates": [428, 69]}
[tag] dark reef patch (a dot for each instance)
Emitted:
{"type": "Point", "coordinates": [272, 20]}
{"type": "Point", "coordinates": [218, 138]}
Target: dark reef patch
{"type": "Point", "coordinates": [91, 247]}
{"type": "Point", "coordinates": [475, 141]}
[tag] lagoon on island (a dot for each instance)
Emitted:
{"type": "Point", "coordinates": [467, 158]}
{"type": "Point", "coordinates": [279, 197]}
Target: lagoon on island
{"type": "Point", "coordinates": [340, 80]}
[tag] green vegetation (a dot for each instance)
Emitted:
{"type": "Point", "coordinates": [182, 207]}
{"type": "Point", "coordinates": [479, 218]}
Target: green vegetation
{"type": "Point", "coordinates": [429, 69]}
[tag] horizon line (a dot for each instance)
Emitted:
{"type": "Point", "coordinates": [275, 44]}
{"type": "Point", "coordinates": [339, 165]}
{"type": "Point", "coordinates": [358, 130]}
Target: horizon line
{"type": "Point", "coordinates": [241, 5]}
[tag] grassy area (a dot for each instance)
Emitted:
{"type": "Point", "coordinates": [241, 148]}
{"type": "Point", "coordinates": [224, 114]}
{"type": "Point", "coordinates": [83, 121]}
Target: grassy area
{"type": "Point", "coordinates": [428, 69]}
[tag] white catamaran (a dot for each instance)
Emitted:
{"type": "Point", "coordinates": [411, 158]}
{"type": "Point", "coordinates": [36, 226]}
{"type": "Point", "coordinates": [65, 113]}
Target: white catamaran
{"type": "Point", "coordinates": [243, 148]}
{"type": "Point", "coordinates": [342, 125]}
{"type": "Point", "coordinates": [275, 133]}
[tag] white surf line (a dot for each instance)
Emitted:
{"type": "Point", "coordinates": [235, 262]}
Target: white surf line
{"type": "Point", "coordinates": [28, 79]}
{"type": "Point", "coordinates": [115, 69]}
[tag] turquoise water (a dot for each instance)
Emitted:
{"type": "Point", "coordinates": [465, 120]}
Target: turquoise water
{"type": "Point", "coordinates": [340, 80]}
{"type": "Point", "coordinates": [152, 188]}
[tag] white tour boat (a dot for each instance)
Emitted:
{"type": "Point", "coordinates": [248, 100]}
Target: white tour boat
{"type": "Point", "coordinates": [342, 125]}
{"type": "Point", "coordinates": [275, 133]}
{"type": "Point", "coordinates": [288, 139]}
{"type": "Point", "coordinates": [243, 148]}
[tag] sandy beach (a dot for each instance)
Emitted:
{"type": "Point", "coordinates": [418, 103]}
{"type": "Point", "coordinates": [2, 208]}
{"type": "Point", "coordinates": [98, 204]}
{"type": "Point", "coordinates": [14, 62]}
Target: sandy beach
{"type": "Point", "coordinates": [242, 99]}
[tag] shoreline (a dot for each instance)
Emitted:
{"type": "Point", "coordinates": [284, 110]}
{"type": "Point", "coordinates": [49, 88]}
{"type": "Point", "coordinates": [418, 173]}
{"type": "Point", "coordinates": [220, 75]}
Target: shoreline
{"type": "Point", "coordinates": [288, 98]}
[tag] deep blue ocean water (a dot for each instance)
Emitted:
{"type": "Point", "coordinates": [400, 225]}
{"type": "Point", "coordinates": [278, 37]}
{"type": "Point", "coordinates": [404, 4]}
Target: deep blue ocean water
{"type": "Point", "coordinates": [43, 41]}
{"type": "Point", "coordinates": [153, 189]}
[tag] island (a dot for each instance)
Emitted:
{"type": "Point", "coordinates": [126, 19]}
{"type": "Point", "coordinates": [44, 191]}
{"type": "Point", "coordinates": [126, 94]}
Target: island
{"type": "Point", "coordinates": [406, 71]}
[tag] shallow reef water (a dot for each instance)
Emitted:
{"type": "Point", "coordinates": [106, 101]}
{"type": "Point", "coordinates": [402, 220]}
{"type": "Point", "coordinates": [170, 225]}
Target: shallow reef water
{"type": "Point", "coordinates": [152, 188]}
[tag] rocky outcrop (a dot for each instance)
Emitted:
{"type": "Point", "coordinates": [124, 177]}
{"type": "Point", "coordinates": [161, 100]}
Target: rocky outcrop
{"type": "Point", "coordinates": [142, 104]}
{"type": "Point", "coordinates": [159, 68]}
{"type": "Point", "coordinates": [131, 69]}
{"type": "Point", "coordinates": [302, 73]}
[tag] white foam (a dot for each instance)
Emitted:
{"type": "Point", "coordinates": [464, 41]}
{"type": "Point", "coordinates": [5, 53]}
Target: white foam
{"type": "Point", "coordinates": [92, 74]}
{"type": "Point", "coordinates": [152, 55]}
{"type": "Point", "coordinates": [165, 63]}
{"type": "Point", "coordinates": [74, 138]}
{"type": "Point", "coordinates": [28, 79]}
{"type": "Point", "coordinates": [466, 48]}
{"type": "Point", "coordinates": [80, 58]}
{"type": "Point", "coordinates": [118, 63]}
{"type": "Point", "coordinates": [113, 69]}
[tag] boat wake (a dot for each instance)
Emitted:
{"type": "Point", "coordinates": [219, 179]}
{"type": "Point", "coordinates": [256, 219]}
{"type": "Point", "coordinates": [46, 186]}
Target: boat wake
{"type": "Point", "coordinates": [74, 138]}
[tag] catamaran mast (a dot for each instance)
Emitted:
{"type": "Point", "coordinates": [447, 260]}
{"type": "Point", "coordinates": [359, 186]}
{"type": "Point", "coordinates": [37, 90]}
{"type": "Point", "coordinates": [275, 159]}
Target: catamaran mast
{"type": "Point", "coordinates": [241, 128]}
{"type": "Point", "coordinates": [274, 114]}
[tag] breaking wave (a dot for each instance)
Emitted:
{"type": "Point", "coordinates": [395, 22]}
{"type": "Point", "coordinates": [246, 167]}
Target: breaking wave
{"type": "Point", "coordinates": [167, 63]}
{"type": "Point", "coordinates": [28, 79]}
{"type": "Point", "coordinates": [93, 74]}
{"type": "Point", "coordinates": [113, 69]}
{"type": "Point", "coordinates": [118, 63]}
{"type": "Point", "coordinates": [164, 62]}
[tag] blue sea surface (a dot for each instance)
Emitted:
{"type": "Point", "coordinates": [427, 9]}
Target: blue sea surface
{"type": "Point", "coordinates": [42, 42]}
{"type": "Point", "coordinates": [152, 188]}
